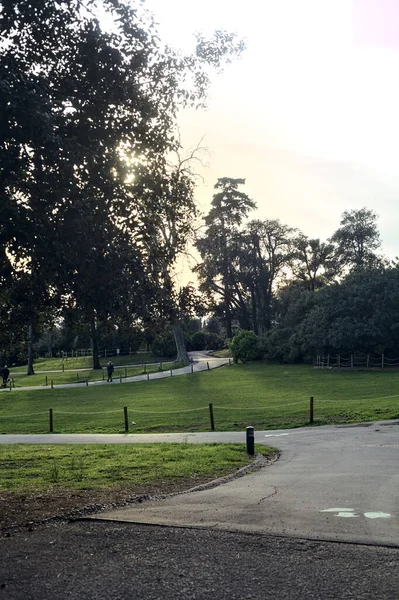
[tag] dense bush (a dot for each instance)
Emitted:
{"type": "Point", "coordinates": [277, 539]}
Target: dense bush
{"type": "Point", "coordinates": [203, 340]}
{"type": "Point", "coordinates": [245, 346]}
{"type": "Point", "coordinates": [164, 345]}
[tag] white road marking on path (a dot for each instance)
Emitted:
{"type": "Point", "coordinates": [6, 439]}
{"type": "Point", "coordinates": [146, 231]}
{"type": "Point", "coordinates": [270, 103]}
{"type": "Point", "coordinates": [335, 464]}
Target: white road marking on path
{"type": "Point", "coordinates": [276, 434]}
{"type": "Point", "coordinates": [338, 510]}
{"type": "Point", "coordinates": [348, 513]}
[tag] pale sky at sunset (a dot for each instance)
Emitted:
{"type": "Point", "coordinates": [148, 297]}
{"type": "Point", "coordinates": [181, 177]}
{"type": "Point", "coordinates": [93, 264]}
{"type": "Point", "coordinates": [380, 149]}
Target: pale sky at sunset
{"type": "Point", "coordinates": [309, 115]}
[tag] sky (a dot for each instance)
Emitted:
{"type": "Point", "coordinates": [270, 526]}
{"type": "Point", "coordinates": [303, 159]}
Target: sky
{"type": "Point", "coordinates": [309, 115]}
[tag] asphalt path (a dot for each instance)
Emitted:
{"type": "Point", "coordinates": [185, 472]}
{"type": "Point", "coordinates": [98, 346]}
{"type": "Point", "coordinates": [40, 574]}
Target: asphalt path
{"type": "Point", "coordinates": [330, 483]}
{"type": "Point", "coordinates": [201, 362]}
{"type": "Point", "coordinates": [338, 483]}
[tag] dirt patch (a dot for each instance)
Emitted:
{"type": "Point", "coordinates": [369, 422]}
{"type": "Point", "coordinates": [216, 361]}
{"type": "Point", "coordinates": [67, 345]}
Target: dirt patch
{"type": "Point", "coordinates": [30, 510]}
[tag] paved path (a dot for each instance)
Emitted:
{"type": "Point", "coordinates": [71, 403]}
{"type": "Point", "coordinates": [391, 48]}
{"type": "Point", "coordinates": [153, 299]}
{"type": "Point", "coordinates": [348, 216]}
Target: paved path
{"type": "Point", "coordinates": [201, 360]}
{"type": "Point", "coordinates": [331, 483]}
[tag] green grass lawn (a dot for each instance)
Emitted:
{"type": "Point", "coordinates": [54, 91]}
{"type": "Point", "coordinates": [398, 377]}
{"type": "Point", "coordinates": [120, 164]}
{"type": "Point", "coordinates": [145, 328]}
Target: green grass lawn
{"type": "Point", "coordinates": [56, 364]}
{"type": "Point", "coordinates": [20, 379]}
{"type": "Point", "coordinates": [265, 396]}
{"type": "Point", "coordinates": [37, 468]}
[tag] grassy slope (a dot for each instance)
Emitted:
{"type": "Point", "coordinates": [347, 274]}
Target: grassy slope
{"type": "Point", "coordinates": [22, 380]}
{"type": "Point", "coordinates": [31, 468]}
{"type": "Point", "coordinates": [265, 396]}
{"type": "Point", "coordinates": [55, 364]}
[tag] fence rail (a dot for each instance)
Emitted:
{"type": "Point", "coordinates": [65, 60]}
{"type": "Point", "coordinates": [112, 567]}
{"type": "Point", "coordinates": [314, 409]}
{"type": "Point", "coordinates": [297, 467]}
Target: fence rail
{"type": "Point", "coordinates": [356, 361]}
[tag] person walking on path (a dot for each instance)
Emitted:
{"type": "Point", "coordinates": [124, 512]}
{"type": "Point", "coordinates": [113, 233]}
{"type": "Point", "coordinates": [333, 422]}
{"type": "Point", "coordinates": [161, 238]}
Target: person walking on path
{"type": "Point", "coordinates": [5, 373]}
{"type": "Point", "coordinates": [110, 370]}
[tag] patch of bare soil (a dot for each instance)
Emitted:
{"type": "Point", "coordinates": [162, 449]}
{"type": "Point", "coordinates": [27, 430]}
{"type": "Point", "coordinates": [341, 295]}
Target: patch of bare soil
{"type": "Point", "coordinates": [30, 510]}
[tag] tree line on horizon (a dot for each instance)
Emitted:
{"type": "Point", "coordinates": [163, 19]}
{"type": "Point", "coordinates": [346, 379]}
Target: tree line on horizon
{"type": "Point", "coordinates": [301, 296]}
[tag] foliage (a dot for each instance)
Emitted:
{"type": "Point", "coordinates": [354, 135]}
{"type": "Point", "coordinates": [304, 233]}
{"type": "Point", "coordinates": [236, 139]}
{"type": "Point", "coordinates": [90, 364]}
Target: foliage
{"type": "Point", "coordinates": [164, 345]}
{"type": "Point", "coordinates": [357, 239]}
{"type": "Point", "coordinates": [218, 247]}
{"type": "Point", "coordinates": [245, 346]}
{"type": "Point", "coordinates": [87, 119]}
{"type": "Point", "coordinates": [204, 340]}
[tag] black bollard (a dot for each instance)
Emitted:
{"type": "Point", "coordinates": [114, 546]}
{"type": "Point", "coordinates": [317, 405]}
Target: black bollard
{"type": "Point", "coordinates": [250, 441]}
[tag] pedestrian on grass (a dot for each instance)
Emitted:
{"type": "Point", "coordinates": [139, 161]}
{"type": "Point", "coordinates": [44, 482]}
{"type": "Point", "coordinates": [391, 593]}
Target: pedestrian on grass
{"type": "Point", "coordinates": [110, 370]}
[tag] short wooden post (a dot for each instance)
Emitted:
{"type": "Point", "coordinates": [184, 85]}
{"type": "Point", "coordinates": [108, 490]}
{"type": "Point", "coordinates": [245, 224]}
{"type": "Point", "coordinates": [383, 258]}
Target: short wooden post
{"type": "Point", "coordinates": [126, 419]}
{"type": "Point", "coordinates": [145, 367]}
{"type": "Point", "coordinates": [125, 371]}
{"type": "Point", "coordinates": [311, 409]}
{"type": "Point", "coordinates": [382, 360]}
{"type": "Point", "coordinates": [46, 381]}
{"type": "Point", "coordinates": [211, 416]}
{"type": "Point", "coordinates": [50, 410]}
{"type": "Point", "coordinates": [250, 440]}
{"type": "Point", "coordinates": [229, 361]}
{"type": "Point", "coordinates": [52, 384]}
{"type": "Point", "coordinates": [63, 367]}
{"type": "Point", "coordinates": [328, 360]}
{"type": "Point", "coordinates": [207, 364]}
{"type": "Point", "coordinates": [120, 378]}
{"type": "Point", "coordinates": [10, 385]}
{"type": "Point", "coordinates": [87, 381]}
{"type": "Point", "coordinates": [192, 368]}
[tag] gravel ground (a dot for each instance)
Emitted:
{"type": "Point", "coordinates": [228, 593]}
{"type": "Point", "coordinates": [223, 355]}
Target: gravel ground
{"type": "Point", "coordinates": [103, 560]}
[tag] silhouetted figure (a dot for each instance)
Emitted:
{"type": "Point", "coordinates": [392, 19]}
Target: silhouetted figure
{"type": "Point", "coordinates": [5, 373]}
{"type": "Point", "coordinates": [110, 370]}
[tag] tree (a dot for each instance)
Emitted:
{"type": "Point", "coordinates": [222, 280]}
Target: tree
{"type": "Point", "coordinates": [315, 264]}
{"type": "Point", "coordinates": [88, 112]}
{"type": "Point", "coordinates": [244, 346]}
{"type": "Point", "coordinates": [218, 247]}
{"type": "Point", "coordinates": [357, 239]}
{"type": "Point", "coordinates": [269, 249]}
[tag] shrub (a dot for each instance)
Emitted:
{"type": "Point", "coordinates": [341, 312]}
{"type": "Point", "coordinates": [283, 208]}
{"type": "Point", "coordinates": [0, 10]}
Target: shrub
{"type": "Point", "coordinates": [245, 346]}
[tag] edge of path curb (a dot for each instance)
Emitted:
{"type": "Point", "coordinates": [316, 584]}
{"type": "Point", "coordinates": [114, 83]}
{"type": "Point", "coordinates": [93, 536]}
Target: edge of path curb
{"type": "Point", "coordinates": [259, 462]}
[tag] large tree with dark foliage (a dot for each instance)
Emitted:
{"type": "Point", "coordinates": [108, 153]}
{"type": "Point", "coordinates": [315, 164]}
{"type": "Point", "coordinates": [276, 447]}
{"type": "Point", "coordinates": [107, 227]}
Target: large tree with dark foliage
{"type": "Point", "coordinates": [88, 105]}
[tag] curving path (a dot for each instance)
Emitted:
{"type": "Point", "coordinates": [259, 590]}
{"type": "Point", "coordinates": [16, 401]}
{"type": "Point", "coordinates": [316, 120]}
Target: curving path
{"type": "Point", "coordinates": [330, 483]}
{"type": "Point", "coordinates": [201, 359]}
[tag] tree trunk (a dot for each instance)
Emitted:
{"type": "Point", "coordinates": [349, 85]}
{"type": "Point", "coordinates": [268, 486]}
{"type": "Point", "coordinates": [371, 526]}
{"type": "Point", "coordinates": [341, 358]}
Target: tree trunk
{"type": "Point", "coordinates": [94, 345]}
{"type": "Point", "coordinates": [182, 355]}
{"type": "Point", "coordinates": [254, 311]}
{"type": "Point", "coordinates": [30, 370]}
{"type": "Point", "coordinates": [229, 331]}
